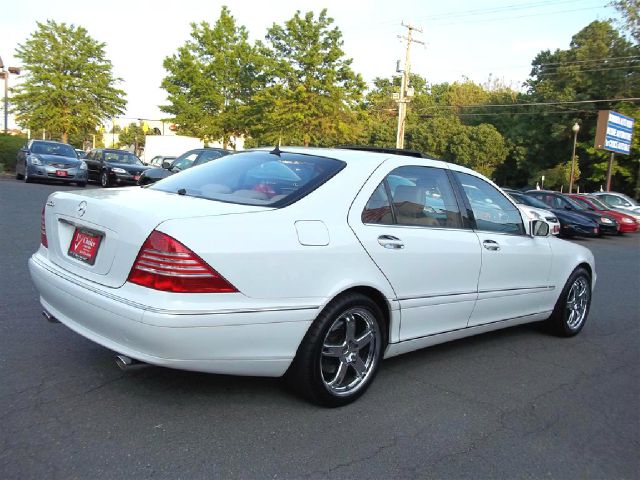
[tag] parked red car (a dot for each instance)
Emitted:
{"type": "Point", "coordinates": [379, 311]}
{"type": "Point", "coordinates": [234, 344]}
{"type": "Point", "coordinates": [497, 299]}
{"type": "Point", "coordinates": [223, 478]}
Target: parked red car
{"type": "Point", "coordinates": [627, 223]}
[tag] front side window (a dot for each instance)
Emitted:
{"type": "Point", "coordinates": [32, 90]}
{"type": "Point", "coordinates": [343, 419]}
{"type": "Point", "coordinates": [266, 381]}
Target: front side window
{"type": "Point", "coordinates": [421, 196]}
{"type": "Point", "coordinates": [254, 178]}
{"type": "Point", "coordinates": [491, 209]}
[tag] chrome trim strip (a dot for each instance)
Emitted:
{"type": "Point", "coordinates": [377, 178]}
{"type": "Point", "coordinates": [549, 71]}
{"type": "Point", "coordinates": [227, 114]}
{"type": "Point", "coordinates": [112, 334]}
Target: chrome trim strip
{"type": "Point", "coordinates": [154, 258]}
{"type": "Point", "coordinates": [541, 287]}
{"type": "Point", "coordinates": [180, 268]}
{"type": "Point", "coordinates": [153, 251]}
{"type": "Point", "coordinates": [472, 292]}
{"type": "Point", "coordinates": [165, 273]}
{"type": "Point", "coordinates": [519, 289]}
{"type": "Point", "coordinates": [149, 308]}
{"type": "Point", "coordinates": [470, 327]}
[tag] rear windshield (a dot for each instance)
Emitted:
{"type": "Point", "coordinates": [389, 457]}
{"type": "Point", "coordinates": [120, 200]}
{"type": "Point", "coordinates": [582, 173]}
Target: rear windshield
{"type": "Point", "coordinates": [254, 178]}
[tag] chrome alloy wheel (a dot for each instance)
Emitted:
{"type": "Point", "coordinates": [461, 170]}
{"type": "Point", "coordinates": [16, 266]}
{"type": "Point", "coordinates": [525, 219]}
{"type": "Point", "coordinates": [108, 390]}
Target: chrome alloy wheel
{"type": "Point", "coordinates": [350, 351]}
{"type": "Point", "coordinates": [577, 302]}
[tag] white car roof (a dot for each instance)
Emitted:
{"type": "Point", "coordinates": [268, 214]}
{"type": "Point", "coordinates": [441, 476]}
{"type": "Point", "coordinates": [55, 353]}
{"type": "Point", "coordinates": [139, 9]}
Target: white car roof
{"type": "Point", "coordinates": [353, 156]}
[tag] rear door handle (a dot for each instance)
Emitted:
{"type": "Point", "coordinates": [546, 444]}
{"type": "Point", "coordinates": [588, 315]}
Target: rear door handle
{"type": "Point", "coordinates": [491, 245]}
{"type": "Point", "coordinates": [389, 241]}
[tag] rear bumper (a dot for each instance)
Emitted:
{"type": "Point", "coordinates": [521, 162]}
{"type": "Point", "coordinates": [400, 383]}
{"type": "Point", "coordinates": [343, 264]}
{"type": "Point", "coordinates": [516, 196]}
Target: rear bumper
{"type": "Point", "coordinates": [231, 342]}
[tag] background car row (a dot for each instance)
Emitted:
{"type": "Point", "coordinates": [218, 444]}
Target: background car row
{"type": "Point", "coordinates": [49, 160]}
{"type": "Point", "coordinates": [580, 214]}
{"type": "Point", "coordinates": [568, 215]}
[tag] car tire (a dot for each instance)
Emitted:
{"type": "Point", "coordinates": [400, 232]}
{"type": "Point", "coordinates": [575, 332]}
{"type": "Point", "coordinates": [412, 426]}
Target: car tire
{"type": "Point", "coordinates": [81, 184]}
{"type": "Point", "coordinates": [19, 176]}
{"type": "Point", "coordinates": [572, 308]}
{"type": "Point", "coordinates": [330, 368]}
{"type": "Point", "coordinates": [104, 180]}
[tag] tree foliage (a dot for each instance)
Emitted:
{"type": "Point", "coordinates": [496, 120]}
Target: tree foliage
{"type": "Point", "coordinates": [68, 87]}
{"type": "Point", "coordinates": [312, 93]}
{"type": "Point", "coordinates": [134, 135]}
{"type": "Point", "coordinates": [211, 79]}
{"type": "Point", "coordinates": [630, 11]}
{"type": "Point", "coordinates": [298, 87]}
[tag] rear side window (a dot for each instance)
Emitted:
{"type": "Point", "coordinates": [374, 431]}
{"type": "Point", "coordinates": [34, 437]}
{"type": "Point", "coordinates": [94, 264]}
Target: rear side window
{"type": "Point", "coordinates": [421, 196]}
{"type": "Point", "coordinates": [254, 178]}
{"type": "Point", "coordinates": [378, 208]}
{"type": "Point", "coordinates": [491, 209]}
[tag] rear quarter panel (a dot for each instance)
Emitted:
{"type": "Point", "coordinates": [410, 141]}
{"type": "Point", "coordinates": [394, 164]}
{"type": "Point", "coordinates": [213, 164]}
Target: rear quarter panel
{"type": "Point", "coordinates": [261, 255]}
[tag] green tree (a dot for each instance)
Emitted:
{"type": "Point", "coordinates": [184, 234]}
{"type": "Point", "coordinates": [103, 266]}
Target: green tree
{"type": "Point", "coordinates": [134, 135]}
{"type": "Point", "coordinates": [599, 66]}
{"type": "Point", "coordinates": [557, 177]}
{"type": "Point", "coordinates": [630, 11]}
{"type": "Point", "coordinates": [434, 126]}
{"type": "Point", "coordinates": [211, 79]}
{"type": "Point", "coordinates": [313, 95]}
{"type": "Point", "coordinates": [68, 86]}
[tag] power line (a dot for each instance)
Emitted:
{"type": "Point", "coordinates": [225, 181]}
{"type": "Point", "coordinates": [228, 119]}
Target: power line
{"type": "Point", "coordinates": [630, 58]}
{"type": "Point", "coordinates": [555, 12]}
{"type": "Point", "coordinates": [568, 72]}
{"type": "Point", "coordinates": [486, 11]}
{"type": "Point", "coordinates": [500, 114]}
{"type": "Point", "coordinates": [491, 10]}
{"type": "Point", "coordinates": [535, 104]}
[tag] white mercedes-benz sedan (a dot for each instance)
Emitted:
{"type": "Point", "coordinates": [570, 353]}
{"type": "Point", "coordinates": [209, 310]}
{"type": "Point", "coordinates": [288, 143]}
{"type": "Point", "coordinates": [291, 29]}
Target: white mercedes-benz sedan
{"type": "Point", "coordinates": [310, 263]}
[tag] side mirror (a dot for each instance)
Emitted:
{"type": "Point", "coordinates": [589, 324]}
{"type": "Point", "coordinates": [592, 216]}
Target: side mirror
{"type": "Point", "coordinates": [539, 228]}
{"type": "Point", "coordinates": [166, 164]}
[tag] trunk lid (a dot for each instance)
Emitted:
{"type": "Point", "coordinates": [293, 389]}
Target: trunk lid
{"type": "Point", "coordinates": [123, 218]}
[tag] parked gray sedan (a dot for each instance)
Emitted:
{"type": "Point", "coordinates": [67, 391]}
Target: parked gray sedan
{"type": "Point", "coordinates": [47, 160]}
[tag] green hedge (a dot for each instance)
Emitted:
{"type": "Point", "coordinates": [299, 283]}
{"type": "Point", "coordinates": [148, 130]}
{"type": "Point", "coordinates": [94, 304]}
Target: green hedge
{"type": "Point", "coordinates": [9, 146]}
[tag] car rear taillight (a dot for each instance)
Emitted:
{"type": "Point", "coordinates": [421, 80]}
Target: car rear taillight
{"type": "Point", "coordinates": [165, 264]}
{"type": "Point", "coordinates": [43, 230]}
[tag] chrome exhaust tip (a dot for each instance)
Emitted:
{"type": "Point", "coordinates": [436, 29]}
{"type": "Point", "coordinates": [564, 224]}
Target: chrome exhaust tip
{"type": "Point", "coordinates": [127, 363]}
{"type": "Point", "coordinates": [49, 317]}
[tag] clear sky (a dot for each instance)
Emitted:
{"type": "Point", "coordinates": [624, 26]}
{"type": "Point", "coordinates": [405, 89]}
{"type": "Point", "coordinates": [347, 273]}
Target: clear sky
{"type": "Point", "coordinates": [464, 38]}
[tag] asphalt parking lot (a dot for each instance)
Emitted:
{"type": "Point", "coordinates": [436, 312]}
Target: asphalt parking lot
{"type": "Point", "coordinates": [517, 403]}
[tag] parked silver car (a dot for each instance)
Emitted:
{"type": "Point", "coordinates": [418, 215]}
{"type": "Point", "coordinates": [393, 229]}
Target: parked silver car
{"type": "Point", "coordinates": [48, 160]}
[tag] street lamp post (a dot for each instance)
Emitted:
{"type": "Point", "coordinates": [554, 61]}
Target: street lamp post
{"type": "Point", "coordinates": [4, 73]}
{"type": "Point", "coordinates": [575, 129]}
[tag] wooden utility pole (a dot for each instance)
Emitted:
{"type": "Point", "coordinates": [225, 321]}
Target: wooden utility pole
{"type": "Point", "coordinates": [402, 101]}
{"type": "Point", "coordinates": [609, 170]}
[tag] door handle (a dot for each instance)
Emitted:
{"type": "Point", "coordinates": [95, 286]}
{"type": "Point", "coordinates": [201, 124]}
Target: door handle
{"type": "Point", "coordinates": [491, 245]}
{"type": "Point", "coordinates": [389, 241]}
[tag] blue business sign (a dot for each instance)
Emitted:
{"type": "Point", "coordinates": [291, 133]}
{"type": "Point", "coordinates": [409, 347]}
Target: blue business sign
{"type": "Point", "coordinates": [614, 132]}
